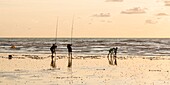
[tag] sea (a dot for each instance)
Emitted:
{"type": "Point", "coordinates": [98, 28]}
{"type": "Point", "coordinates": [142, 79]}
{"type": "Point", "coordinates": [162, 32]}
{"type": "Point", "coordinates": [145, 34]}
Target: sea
{"type": "Point", "coordinates": [88, 46]}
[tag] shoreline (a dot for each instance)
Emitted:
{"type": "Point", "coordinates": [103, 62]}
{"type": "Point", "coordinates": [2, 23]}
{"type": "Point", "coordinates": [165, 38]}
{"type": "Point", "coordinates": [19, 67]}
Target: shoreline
{"type": "Point", "coordinates": [84, 71]}
{"type": "Point", "coordinates": [60, 56]}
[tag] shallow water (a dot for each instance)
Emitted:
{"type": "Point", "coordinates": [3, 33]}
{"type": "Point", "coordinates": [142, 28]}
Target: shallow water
{"type": "Point", "coordinates": [89, 46]}
{"type": "Point", "coordinates": [136, 71]}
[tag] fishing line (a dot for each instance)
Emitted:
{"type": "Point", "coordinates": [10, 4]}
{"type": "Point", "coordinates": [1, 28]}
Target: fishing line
{"type": "Point", "coordinates": [56, 31]}
{"type": "Point", "coordinates": [72, 29]}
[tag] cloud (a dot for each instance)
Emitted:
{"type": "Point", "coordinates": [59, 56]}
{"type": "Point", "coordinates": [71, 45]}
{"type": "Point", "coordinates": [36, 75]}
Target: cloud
{"type": "Point", "coordinates": [151, 21]}
{"type": "Point", "coordinates": [167, 3]}
{"type": "Point", "coordinates": [114, 0]}
{"type": "Point", "coordinates": [136, 10]}
{"type": "Point", "coordinates": [161, 14]}
{"type": "Point", "coordinates": [102, 15]}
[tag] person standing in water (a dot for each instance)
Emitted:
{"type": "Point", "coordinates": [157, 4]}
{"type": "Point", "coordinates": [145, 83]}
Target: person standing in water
{"type": "Point", "coordinates": [115, 50]}
{"type": "Point", "coordinates": [112, 55]}
{"type": "Point", "coordinates": [53, 51]}
{"type": "Point", "coordinates": [109, 56]}
{"type": "Point", "coordinates": [69, 55]}
{"type": "Point", "coordinates": [115, 55]}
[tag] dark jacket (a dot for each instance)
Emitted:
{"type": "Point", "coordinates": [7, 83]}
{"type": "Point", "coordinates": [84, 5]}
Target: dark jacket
{"type": "Point", "coordinates": [69, 47]}
{"type": "Point", "coordinates": [53, 48]}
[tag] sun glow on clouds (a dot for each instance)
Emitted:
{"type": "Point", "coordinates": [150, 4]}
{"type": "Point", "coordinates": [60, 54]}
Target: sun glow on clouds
{"type": "Point", "coordinates": [93, 18]}
{"type": "Point", "coordinates": [136, 10]}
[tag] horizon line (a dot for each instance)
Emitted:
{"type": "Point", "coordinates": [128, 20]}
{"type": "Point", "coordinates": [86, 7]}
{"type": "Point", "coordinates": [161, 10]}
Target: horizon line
{"type": "Point", "coordinates": [90, 37]}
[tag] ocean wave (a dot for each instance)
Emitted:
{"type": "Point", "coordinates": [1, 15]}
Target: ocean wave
{"type": "Point", "coordinates": [88, 46]}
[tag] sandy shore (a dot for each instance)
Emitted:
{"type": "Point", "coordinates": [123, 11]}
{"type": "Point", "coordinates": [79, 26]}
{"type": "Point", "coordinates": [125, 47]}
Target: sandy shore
{"type": "Point", "coordinates": [36, 70]}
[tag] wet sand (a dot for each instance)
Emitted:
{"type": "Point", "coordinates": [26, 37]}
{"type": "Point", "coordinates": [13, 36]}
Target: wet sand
{"type": "Point", "coordinates": [34, 69]}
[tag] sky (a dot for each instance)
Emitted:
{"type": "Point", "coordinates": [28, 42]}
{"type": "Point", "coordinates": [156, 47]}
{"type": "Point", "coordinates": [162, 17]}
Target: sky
{"type": "Point", "coordinates": [92, 18]}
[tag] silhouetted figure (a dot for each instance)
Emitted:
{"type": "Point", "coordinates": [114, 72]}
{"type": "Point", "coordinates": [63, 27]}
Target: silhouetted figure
{"type": "Point", "coordinates": [115, 60]}
{"type": "Point", "coordinates": [53, 51]}
{"type": "Point", "coordinates": [69, 55]}
{"type": "Point", "coordinates": [109, 56]}
{"type": "Point", "coordinates": [112, 56]}
{"type": "Point", "coordinates": [115, 55]}
{"type": "Point", "coordinates": [115, 50]}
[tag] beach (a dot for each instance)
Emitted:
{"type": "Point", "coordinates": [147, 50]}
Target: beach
{"type": "Point", "coordinates": [135, 33]}
{"type": "Point", "coordinates": [34, 69]}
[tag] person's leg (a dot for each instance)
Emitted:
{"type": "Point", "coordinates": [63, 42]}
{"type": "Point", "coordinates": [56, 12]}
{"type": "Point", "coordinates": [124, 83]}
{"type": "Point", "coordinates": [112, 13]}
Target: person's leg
{"type": "Point", "coordinates": [69, 59]}
{"type": "Point", "coordinates": [115, 52]}
{"type": "Point", "coordinates": [108, 57]}
{"type": "Point", "coordinates": [71, 56]}
{"type": "Point", "coordinates": [111, 60]}
{"type": "Point", "coordinates": [52, 63]}
{"type": "Point", "coordinates": [52, 56]}
{"type": "Point", "coordinates": [115, 60]}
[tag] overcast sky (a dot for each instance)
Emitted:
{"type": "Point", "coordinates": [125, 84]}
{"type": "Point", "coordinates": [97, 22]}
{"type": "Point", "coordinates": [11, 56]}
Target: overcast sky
{"type": "Point", "coordinates": [92, 18]}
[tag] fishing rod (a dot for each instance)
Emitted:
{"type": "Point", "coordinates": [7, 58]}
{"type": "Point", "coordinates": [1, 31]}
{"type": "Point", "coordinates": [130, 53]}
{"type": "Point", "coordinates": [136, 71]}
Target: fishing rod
{"type": "Point", "coordinates": [69, 46]}
{"type": "Point", "coordinates": [56, 42]}
{"type": "Point", "coordinates": [53, 48]}
{"type": "Point", "coordinates": [56, 31]}
{"type": "Point", "coordinates": [72, 28]}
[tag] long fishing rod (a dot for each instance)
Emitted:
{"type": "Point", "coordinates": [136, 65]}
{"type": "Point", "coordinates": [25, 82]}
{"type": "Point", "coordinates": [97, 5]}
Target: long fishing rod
{"type": "Point", "coordinates": [56, 38]}
{"type": "Point", "coordinates": [72, 29]}
{"type": "Point", "coordinates": [56, 31]}
{"type": "Point", "coordinates": [69, 46]}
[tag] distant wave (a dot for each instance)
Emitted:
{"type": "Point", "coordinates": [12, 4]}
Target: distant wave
{"type": "Point", "coordinates": [89, 46]}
